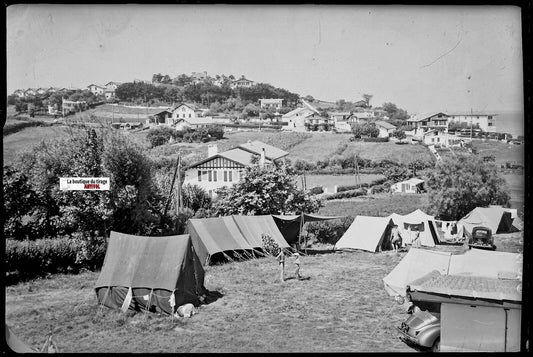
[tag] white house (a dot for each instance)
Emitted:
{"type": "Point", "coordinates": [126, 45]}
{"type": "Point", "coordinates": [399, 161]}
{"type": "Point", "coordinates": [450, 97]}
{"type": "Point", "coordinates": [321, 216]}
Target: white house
{"type": "Point", "coordinates": [413, 185]}
{"type": "Point", "coordinates": [271, 103]}
{"type": "Point", "coordinates": [295, 119]}
{"type": "Point", "coordinates": [241, 83]}
{"type": "Point", "coordinates": [486, 121]}
{"type": "Point", "coordinates": [20, 93]}
{"type": "Point", "coordinates": [96, 89]}
{"type": "Point", "coordinates": [428, 120]}
{"type": "Point", "coordinates": [441, 138]}
{"type": "Point", "coordinates": [185, 111]}
{"type": "Point", "coordinates": [193, 123]}
{"type": "Point", "coordinates": [224, 169]}
{"type": "Point", "coordinates": [385, 129]}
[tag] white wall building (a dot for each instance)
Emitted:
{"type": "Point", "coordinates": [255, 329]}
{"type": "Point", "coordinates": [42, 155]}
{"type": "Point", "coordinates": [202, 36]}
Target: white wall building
{"type": "Point", "coordinates": [413, 185]}
{"type": "Point", "coordinates": [271, 103]}
{"type": "Point", "coordinates": [486, 121]}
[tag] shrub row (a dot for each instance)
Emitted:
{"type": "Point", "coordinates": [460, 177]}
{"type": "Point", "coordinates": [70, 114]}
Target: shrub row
{"type": "Point", "coordinates": [376, 140]}
{"type": "Point", "coordinates": [346, 194]}
{"type": "Point", "coordinates": [31, 259]}
{"type": "Point", "coordinates": [316, 190]}
{"type": "Point", "coordinates": [375, 182]}
{"type": "Point", "coordinates": [15, 127]}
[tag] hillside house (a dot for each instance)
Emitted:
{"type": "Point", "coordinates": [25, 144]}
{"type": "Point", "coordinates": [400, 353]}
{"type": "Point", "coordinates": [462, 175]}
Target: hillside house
{"type": "Point", "coordinates": [295, 119]}
{"type": "Point", "coordinates": [30, 91]}
{"type": "Point", "coordinates": [485, 121]}
{"type": "Point", "coordinates": [341, 120]}
{"type": "Point", "coordinates": [19, 93]}
{"type": "Point", "coordinates": [186, 111]}
{"type": "Point", "coordinates": [96, 89]}
{"type": "Point", "coordinates": [41, 91]}
{"type": "Point", "coordinates": [442, 138]}
{"type": "Point", "coordinates": [318, 122]}
{"type": "Point", "coordinates": [271, 103]}
{"type": "Point", "coordinates": [360, 103]}
{"type": "Point", "coordinates": [224, 169]}
{"type": "Point", "coordinates": [413, 185]}
{"type": "Point", "coordinates": [385, 129]}
{"type": "Point", "coordinates": [193, 123]}
{"type": "Point", "coordinates": [360, 117]}
{"type": "Point", "coordinates": [429, 120]}
{"type": "Point", "coordinates": [241, 83]}
{"type": "Point", "coordinates": [109, 91]}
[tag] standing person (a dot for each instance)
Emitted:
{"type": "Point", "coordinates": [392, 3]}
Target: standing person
{"type": "Point", "coordinates": [297, 262]}
{"type": "Point", "coordinates": [416, 240]}
{"type": "Point", "coordinates": [396, 239]}
{"type": "Point", "coordinates": [281, 261]}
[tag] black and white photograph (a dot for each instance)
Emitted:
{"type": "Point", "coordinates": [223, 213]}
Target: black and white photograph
{"type": "Point", "coordinates": [266, 178]}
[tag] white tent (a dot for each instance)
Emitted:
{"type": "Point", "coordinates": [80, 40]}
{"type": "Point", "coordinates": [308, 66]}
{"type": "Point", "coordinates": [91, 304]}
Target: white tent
{"type": "Point", "coordinates": [424, 224]}
{"type": "Point", "coordinates": [415, 264]}
{"type": "Point", "coordinates": [475, 262]}
{"type": "Point", "coordinates": [367, 233]}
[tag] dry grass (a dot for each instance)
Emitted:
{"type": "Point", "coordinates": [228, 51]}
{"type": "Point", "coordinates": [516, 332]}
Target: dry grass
{"type": "Point", "coordinates": [328, 181]}
{"type": "Point", "coordinates": [318, 146]}
{"type": "Point", "coordinates": [389, 151]}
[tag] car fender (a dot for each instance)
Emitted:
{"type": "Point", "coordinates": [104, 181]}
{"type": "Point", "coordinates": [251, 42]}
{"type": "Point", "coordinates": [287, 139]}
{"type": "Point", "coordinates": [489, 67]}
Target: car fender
{"type": "Point", "coordinates": [428, 336]}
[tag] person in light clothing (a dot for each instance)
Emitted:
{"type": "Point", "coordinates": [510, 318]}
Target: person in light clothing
{"type": "Point", "coordinates": [297, 263]}
{"type": "Point", "coordinates": [281, 261]}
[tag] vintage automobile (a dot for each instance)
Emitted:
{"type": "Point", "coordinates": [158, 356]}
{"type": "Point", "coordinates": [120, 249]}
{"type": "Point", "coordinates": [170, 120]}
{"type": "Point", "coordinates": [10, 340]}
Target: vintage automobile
{"type": "Point", "coordinates": [481, 238]}
{"type": "Point", "coordinates": [421, 329]}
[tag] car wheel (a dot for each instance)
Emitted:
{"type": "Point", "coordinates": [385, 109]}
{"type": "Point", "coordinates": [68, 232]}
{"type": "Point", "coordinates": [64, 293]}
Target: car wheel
{"type": "Point", "coordinates": [436, 345]}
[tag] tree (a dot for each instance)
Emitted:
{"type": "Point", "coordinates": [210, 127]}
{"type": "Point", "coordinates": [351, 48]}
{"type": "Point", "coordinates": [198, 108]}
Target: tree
{"type": "Point", "coordinates": [156, 78]}
{"type": "Point", "coordinates": [309, 98]}
{"type": "Point", "coordinates": [458, 185]}
{"type": "Point", "coordinates": [195, 197]}
{"type": "Point", "coordinates": [367, 98]}
{"type": "Point", "coordinates": [399, 134]}
{"type": "Point", "coordinates": [265, 190]}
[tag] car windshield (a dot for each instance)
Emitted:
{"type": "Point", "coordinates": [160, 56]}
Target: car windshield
{"type": "Point", "coordinates": [481, 234]}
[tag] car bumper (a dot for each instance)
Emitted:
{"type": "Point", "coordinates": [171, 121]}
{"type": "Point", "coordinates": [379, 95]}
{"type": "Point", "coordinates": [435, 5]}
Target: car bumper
{"type": "Point", "coordinates": [410, 340]}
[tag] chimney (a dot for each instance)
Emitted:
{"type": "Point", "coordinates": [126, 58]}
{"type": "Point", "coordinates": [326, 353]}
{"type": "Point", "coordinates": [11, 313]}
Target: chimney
{"type": "Point", "coordinates": [263, 158]}
{"type": "Point", "coordinates": [212, 150]}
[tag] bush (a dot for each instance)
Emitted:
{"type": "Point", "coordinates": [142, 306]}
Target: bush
{"type": "Point", "coordinates": [30, 259]}
{"type": "Point", "coordinates": [328, 232]}
{"type": "Point", "coordinates": [160, 135]}
{"type": "Point", "coordinates": [375, 140]}
{"type": "Point", "coordinates": [316, 190]}
{"type": "Point", "coordinates": [346, 194]}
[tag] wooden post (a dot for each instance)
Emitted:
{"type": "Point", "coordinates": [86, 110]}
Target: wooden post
{"type": "Point", "coordinates": [171, 188]}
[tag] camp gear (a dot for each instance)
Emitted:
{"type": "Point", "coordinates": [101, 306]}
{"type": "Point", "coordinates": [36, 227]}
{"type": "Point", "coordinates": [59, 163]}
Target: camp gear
{"type": "Point", "coordinates": [367, 233]}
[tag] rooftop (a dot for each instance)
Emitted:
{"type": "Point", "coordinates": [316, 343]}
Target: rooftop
{"type": "Point", "coordinates": [385, 124]}
{"type": "Point", "coordinates": [271, 152]}
{"type": "Point", "coordinates": [424, 116]}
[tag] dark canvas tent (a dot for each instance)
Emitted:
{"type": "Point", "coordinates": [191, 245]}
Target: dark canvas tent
{"type": "Point", "coordinates": [238, 235]}
{"type": "Point", "coordinates": [493, 217]}
{"type": "Point", "coordinates": [367, 233]}
{"type": "Point", "coordinates": [290, 225]}
{"type": "Point", "coordinates": [145, 272]}
{"type": "Point", "coordinates": [424, 224]}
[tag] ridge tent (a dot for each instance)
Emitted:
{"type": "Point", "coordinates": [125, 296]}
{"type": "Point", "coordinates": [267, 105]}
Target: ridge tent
{"type": "Point", "coordinates": [16, 344]}
{"type": "Point", "coordinates": [145, 272]}
{"type": "Point", "coordinates": [290, 225]}
{"type": "Point", "coordinates": [518, 224]}
{"type": "Point", "coordinates": [475, 262]}
{"type": "Point", "coordinates": [367, 233]}
{"type": "Point", "coordinates": [230, 235]}
{"type": "Point", "coordinates": [487, 264]}
{"type": "Point", "coordinates": [253, 227]}
{"type": "Point", "coordinates": [415, 264]}
{"type": "Point", "coordinates": [423, 223]}
{"type": "Point", "coordinates": [495, 217]}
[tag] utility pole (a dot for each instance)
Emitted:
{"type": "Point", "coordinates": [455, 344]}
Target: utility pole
{"type": "Point", "coordinates": [471, 116]}
{"type": "Point", "coordinates": [179, 202]}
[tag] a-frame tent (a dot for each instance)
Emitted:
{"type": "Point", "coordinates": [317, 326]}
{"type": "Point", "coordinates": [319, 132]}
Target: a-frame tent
{"type": "Point", "coordinates": [415, 264]}
{"type": "Point", "coordinates": [227, 236]}
{"type": "Point", "coordinates": [16, 344]}
{"type": "Point", "coordinates": [424, 224]}
{"type": "Point", "coordinates": [143, 273]}
{"type": "Point", "coordinates": [367, 233]}
{"type": "Point", "coordinates": [493, 217]}
{"type": "Point", "coordinates": [290, 226]}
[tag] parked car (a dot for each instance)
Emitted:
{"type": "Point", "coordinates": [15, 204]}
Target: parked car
{"type": "Point", "coordinates": [481, 238]}
{"type": "Point", "coordinates": [422, 329]}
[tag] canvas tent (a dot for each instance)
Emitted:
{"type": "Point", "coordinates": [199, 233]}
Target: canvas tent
{"type": "Point", "coordinates": [145, 272]}
{"type": "Point", "coordinates": [475, 262]}
{"type": "Point", "coordinates": [16, 344]}
{"type": "Point", "coordinates": [240, 235]}
{"type": "Point", "coordinates": [367, 233]}
{"type": "Point", "coordinates": [424, 224]}
{"type": "Point", "coordinates": [495, 217]}
{"type": "Point", "coordinates": [291, 225]}
{"type": "Point", "coordinates": [415, 264]}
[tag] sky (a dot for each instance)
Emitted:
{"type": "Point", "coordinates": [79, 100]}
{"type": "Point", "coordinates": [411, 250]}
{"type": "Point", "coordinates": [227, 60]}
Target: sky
{"type": "Point", "coordinates": [421, 58]}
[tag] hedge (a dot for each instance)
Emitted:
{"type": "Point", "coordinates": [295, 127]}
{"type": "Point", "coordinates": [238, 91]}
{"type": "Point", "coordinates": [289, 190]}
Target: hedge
{"type": "Point", "coordinates": [316, 190]}
{"type": "Point", "coordinates": [378, 181]}
{"type": "Point", "coordinates": [346, 194]}
{"type": "Point", "coordinates": [375, 140]}
{"type": "Point", "coordinates": [31, 259]}
{"type": "Point", "coordinates": [12, 128]}
{"type": "Point", "coordinates": [328, 231]}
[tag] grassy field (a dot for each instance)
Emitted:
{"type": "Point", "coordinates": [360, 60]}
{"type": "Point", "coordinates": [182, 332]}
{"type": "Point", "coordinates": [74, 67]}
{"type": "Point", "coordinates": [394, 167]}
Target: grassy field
{"type": "Point", "coordinates": [389, 151]}
{"type": "Point", "coordinates": [341, 307]}
{"type": "Point", "coordinates": [379, 205]}
{"type": "Point", "coordinates": [502, 152]}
